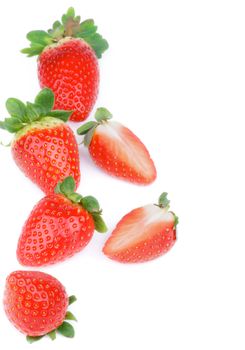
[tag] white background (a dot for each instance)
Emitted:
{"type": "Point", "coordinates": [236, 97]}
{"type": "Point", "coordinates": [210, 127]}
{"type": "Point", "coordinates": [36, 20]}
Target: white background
{"type": "Point", "coordinates": [174, 74]}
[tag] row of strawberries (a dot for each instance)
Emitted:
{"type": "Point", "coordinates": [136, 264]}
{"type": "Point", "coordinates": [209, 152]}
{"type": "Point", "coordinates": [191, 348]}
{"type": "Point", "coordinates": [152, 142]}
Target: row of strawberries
{"type": "Point", "coordinates": [45, 149]}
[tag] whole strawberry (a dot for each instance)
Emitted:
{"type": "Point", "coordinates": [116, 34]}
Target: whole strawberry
{"type": "Point", "coordinates": [143, 234]}
{"type": "Point", "coordinates": [44, 147]}
{"type": "Point", "coordinates": [59, 226]}
{"type": "Point", "coordinates": [36, 304]}
{"type": "Point", "coordinates": [117, 150]}
{"type": "Point", "coordinates": [68, 62]}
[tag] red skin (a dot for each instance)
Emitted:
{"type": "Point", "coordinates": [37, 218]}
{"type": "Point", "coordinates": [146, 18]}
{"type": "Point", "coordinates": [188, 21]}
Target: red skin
{"type": "Point", "coordinates": [47, 156]}
{"type": "Point", "coordinates": [71, 70]}
{"type": "Point", "coordinates": [55, 230]}
{"type": "Point", "coordinates": [35, 302]}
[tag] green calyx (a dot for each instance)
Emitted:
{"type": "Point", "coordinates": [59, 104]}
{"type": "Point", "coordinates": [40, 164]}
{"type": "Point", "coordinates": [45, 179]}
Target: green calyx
{"type": "Point", "coordinates": [164, 202]}
{"type": "Point", "coordinates": [102, 115]}
{"type": "Point", "coordinates": [69, 26]}
{"type": "Point", "coordinates": [67, 188]}
{"type": "Point", "coordinates": [23, 115]}
{"type": "Point", "coordinates": [65, 329]}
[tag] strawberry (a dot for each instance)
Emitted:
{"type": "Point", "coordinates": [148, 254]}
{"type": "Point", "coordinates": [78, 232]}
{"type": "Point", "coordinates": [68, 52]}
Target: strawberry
{"type": "Point", "coordinates": [68, 62]}
{"type": "Point", "coordinates": [44, 147]}
{"type": "Point", "coordinates": [36, 304]}
{"type": "Point", "coordinates": [116, 150]}
{"type": "Point", "coordinates": [59, 226]}
{"type": "Point", "coordinates": [143, 234]}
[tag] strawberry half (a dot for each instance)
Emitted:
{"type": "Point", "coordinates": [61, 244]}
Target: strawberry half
{"type": "Point", "coordinates": [44, 147]}
{"type": "Point", "coordinates": [116, 150]}
{"type": "Point", "coordinates": [143, 234]}
{"type": "Point", "coordinates": [59, 226]}
{"type": "Point", "coordinates": [36, 304]}
{"type": "Point", "coordinates": [68, 62]}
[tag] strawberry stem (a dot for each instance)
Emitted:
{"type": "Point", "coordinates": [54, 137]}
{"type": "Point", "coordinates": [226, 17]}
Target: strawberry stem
{"type": "Point", "coordinates": [163, 201]}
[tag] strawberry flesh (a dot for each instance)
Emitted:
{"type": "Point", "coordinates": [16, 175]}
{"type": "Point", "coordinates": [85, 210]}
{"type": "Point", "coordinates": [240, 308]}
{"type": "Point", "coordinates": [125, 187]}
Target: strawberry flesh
{"type": "Point", "coordinates": [143, 234]}
{"type": "Point", "coordinates": [119, 152]}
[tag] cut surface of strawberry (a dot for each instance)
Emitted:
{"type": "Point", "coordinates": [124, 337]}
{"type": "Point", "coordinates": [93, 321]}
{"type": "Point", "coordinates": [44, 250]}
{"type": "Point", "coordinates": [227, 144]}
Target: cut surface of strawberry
{"type": "Point", "coordinates": [117, 150]}
{"type": "Point", "coordinates": [143, 234]}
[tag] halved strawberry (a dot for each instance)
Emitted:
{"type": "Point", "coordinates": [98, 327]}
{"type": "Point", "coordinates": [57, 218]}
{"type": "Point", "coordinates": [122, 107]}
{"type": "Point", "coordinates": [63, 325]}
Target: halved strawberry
{"type": "Point", "coordinates": [143, 234]}
{"type": "Point", "coordinates": [44, 147]}
{"type": "Point", "coordinates": [117, 150]}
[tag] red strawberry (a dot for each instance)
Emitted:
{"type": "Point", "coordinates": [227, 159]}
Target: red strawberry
{"type": "Point", "coordinates": [44, 147]}
{"type": "Point", "coordinates": [59, 226]}
{"type": "Point", "coordinates": [143, 234]}
{"type": "Point", "coordinates": [36, 303]}
{"type": "Point", "coordinates": [68, 62]}
{"type": "Point", "coordinates": [116, 150]}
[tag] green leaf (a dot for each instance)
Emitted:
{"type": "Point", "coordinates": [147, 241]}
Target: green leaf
{"type": "Point", "coordinates": [34, 111]}
{"type": "Point", "coordinates": [16, 108]}
{"type": "Point", "coordinates": [62, 115]}
{"type": "Point", "coordinates": [102, 114]}
{"type": "Point", "coordinates": [70, 316]}
{"type": "Point", "coordinates": [90, 204]}
{"type": "Point", "coordinates": [39, 37]}
{"type": "Point", "coordinates": [82, 130]}
{"type": "Point", "coordinates": [97, 42]}
{"type": "Point", "coordinates": [87, 28]}
{"type": "Point", "coordinates": [88, 137]}
{"type": "Point", "coordinates": [57, 30]}
{"type": "Point", "coordinates": [69, 26]}
{"type": "Point", "coordinates": [88, 32]}
{"type": "Point", "coordinates": [72, 299]}
{"type": "Point", "coordinates": [34, 50]}
{"type": "Point", "coordinates": [70, 12]}
{"type": "Point", "coordinates": [12, 125]}
{"type": "Point", "coordinates": [66, 329]}
{"type": "Point", "coordinates": [75, 197]}
{"type": "Point", "coordinates": [58, 33]}
{"type": "Point", "coordinates": [68, 185]}
{"type": "Point", "coordinates": [77, 19]}
{"type": "Point", "coordinates": [163, 200]}
{"type": "Point", "coordinates": [99, 223]}
{"type": "Point", "coordinates": [45, 98]}
{"type": "Point", "coordinates": [57, 188]}
{"type": "Point", "coordinates": [39, 40]}
{"type": "Point", "coordinates": [176, 219]}
{"type": "Point", "coordinates": [33, 339]}
{"type": "Point", "coordinates": [64, 19]}
{"type": "Point", "coordinates": [52, 334]}
{"type": "Point", "coordinates": [56, 25]}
